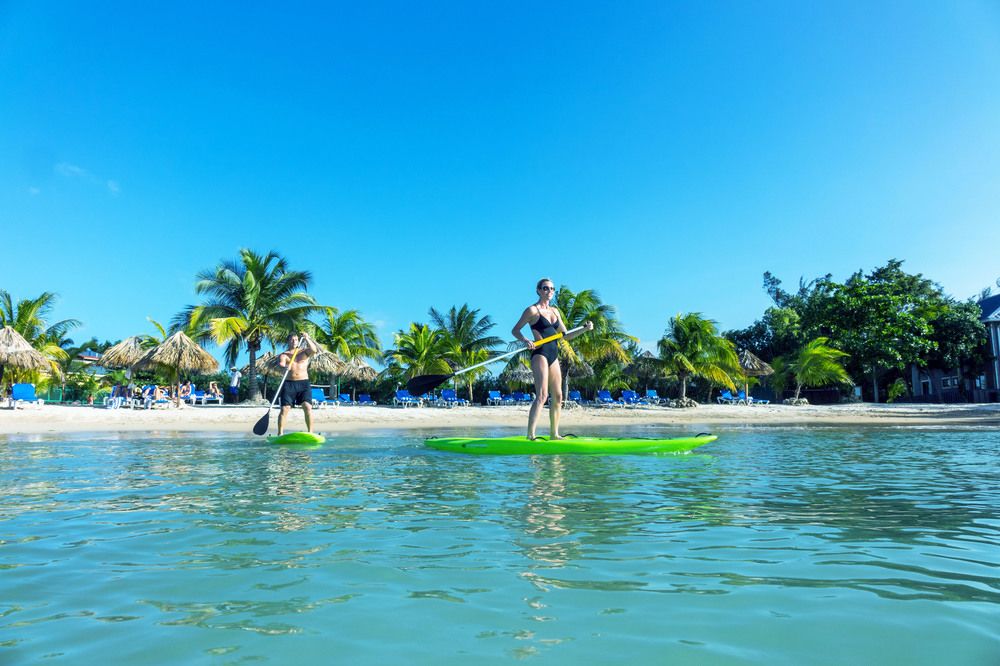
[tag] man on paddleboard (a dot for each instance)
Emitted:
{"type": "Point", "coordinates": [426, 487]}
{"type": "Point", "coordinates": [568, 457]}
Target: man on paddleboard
{"type": "Point", "coordinates": [297, 390]}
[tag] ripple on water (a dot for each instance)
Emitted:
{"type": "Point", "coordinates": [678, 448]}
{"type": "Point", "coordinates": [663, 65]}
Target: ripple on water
{"type": "Point", "coordinates": [372, 547]}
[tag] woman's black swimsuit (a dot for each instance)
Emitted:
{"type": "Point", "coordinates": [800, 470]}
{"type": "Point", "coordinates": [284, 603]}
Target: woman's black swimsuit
{"type": "Point", "coordinates": [550, 350]}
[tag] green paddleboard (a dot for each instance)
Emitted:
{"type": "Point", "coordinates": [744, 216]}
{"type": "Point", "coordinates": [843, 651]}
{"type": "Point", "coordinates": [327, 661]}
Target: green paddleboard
{"type": "Point", "coordinates": [299, 438]}
{"type": "Point", "coordinates": [586, 445]}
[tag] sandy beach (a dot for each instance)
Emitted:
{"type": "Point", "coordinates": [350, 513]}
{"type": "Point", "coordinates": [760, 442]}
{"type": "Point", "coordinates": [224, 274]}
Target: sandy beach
{"type": "Point", "coordinates": [69, 419]}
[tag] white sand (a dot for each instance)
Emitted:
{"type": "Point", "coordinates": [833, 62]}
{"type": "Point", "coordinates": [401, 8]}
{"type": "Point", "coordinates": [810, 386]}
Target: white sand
{"type": "Point", "coordinates": [63, 418]}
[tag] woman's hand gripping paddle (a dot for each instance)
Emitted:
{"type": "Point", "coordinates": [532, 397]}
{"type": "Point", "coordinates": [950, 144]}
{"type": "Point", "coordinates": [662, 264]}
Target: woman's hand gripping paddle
{"type": "Point", "coordinates": [260, 428]}
{"type": "Point", "coordinates": [424, 383]}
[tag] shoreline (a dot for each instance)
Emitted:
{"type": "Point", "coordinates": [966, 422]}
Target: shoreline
{"type": "Point", "coordinates": [83, 419]}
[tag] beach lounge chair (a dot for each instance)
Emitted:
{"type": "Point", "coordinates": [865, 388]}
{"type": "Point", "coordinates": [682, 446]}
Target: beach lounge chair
{"type": "Point", "coordinates": [319, 399]}
{"type": "Point", "coordinates": [205, 398]}
{"type": "Point", "coordinates": [653, 397]}
{"type": "Point", "coordinates": [726, 398]}
{"type": "Point", "coordinates": [23, 395]}
{"type": "Point", "coordinates": [507, 399]}
{"type": "Point", "coordinates": [758, 401]}
{"type": "Point", "coordinates": [404, 399]}
{"type": "Point", "coordinates": [345, 399]}
{"type": "Point", "coordinates": [522, 398]}
{"type": "Point", "coordinates": [631, 399]}
{"type": "Point", "coordinates": [577, 397]}
{"type": "Point", "coordinates": [116, 398]}
{"type": "Point", "coordinates": [494, 398]}
{"type": "Point", "coordinates": [741, 399]}
{"type": "Point", "coordinates": [365, 400]}
{"type": "Point", "coordinates": [450, 399]}
{"type": "Point", "coordinates": [604, 399]}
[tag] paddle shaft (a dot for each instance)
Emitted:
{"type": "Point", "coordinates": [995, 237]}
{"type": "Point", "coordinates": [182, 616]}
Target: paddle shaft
{"type": "Point", "coordinates": [517, 351]}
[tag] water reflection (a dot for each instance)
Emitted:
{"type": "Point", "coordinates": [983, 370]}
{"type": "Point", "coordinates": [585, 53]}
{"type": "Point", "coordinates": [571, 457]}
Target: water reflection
{"type": "Point", "coordinates": [224, 534]}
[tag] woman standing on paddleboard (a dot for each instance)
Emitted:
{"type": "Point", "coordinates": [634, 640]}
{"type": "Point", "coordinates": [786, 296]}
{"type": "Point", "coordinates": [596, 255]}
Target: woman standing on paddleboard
{"type": "Point", "coordinates": [544, 320]}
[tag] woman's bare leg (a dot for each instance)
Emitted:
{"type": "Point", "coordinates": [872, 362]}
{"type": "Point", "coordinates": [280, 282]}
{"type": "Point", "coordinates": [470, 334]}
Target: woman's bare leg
{"type": "Point", "coordinates": [555, 391]}
{"type": "Point", "coordinates": [540, 370]}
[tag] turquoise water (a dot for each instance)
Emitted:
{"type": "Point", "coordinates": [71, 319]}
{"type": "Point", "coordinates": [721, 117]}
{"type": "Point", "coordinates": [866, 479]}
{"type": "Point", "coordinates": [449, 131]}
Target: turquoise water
{"type": "Point", "coordinates": [770, 546]}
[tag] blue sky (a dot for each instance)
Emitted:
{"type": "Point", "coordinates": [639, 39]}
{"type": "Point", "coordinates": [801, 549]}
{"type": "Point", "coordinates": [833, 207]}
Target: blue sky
{"type": "Point", "coordinates": [432, 154]}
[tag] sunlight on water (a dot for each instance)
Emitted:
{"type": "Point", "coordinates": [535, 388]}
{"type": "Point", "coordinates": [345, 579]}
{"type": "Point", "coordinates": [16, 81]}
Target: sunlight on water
{"type": "Point", "coordinates": [777, 546]}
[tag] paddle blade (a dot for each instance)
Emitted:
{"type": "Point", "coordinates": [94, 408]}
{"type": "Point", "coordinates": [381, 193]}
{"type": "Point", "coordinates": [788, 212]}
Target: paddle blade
{"type": "Point", "coordinates": [260, 427]}
{"type": "Point", "coordinates": [424, 383]}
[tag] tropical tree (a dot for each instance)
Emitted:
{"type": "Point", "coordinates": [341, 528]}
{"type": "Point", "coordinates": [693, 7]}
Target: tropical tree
{"type": "Point", "coordinates": [253, 299]}
{"type": "Point", "coordinates": [692, 347]}
{"type": "Point", "coordinates": [29, 318]}
{"type": "Point", "coordinates": [347, 335]}
{"type": "Point", "coordinates": [818, 364]}
{"type": "Point", "coordinates": [608, 340]}
{"type": "Point", "coordinates": [467, 338]}
{"type": "Point", "coordinates": [421, 350]}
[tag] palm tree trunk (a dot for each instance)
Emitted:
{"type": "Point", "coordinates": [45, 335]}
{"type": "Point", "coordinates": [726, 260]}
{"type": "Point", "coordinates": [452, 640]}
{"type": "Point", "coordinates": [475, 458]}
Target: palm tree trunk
{"type": "Point", "coordinates": [252, 382]}
{"type": "Point", "coordinates": [798, 390]}
{"type": "Point", "coordinates": [875, 384]}
{"type": "Point", "coordinates": [684, 386]}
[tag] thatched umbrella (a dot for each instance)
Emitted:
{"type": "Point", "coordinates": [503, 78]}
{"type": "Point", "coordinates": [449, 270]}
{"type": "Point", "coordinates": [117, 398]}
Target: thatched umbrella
{"type": "Point", "coordinates": [753, 367]}
{"type": "Point", "coordinates": [17, 353]}
{"type": "Point", "coordinates": [182, 354]}
{"type": "Point", "coordinates": [517, 373]}
{"type": "Point", "coordinates": [358, 370]}
{"type": "Point", "coordinates": [125, 354]}
{"type": "Point", "coordinates": [327, 363]}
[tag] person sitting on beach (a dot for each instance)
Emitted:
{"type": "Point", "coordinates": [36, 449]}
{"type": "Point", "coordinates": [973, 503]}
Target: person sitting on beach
{"type": "Point", "coordinates": [296, 390]}
{"type": "Point", "coordinates": [213, 392]}
{"type": "Point", "coordinates": [185, 391]}
{"type": "Point", "coordinates": [544, 321]}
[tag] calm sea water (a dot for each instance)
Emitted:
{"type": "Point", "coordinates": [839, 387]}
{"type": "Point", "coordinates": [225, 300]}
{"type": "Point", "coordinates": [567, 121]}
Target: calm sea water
{"type": "Point", "coordinates": [770, 546]}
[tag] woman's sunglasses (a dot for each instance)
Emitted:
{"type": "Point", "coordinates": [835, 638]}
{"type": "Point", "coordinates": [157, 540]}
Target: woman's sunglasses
{"type": "Point", "coordinates": [546, 289]}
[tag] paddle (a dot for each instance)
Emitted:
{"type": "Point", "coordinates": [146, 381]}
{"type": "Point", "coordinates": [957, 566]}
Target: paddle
{"type": "Point", "coordinates": [260, 427]}
{"type": "Point", "coordinates": [423, 383]}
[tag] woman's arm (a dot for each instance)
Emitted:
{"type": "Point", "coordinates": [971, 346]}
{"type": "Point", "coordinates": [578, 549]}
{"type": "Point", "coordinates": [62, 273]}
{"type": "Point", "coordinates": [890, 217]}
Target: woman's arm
{"type": "Point", "coordinates": [526, 317]}
{"type": "Point", "coordinates": [587, 326]}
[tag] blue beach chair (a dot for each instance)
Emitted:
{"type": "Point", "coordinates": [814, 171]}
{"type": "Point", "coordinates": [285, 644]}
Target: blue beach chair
{"type": "Point", "coordinates": [366, 400]}
{"type": "Point", "coordinates": [604, 399]}
{"type": "Point", "coordinates": [450, 399]}
{"type": "Point", "coordinates": [319, 399]}
{"type": "Point", "coordinates": [404, 399]}
{"type": "Point", "coordinates": [23, 395]}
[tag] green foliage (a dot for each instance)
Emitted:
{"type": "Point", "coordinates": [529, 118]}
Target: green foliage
{"type": "Point", "coordinates": [347, 335]}
{"type": "Point", "coordinates": [420, 350]}
{"type": "Point", "coordinates": [818, 364]}
{"type": "Point", "coordinates": [254, 299]}
{"type": "Point", "coordinates": [691, 347]}
{"type": "Point", "coordinates": [29, 317]}
{"type": "Point", "coordinates": [897, 390]}
{"type": "Point", "coordinates": [605, 343]}
{"type": "Point", "coordinates": [467, 338]}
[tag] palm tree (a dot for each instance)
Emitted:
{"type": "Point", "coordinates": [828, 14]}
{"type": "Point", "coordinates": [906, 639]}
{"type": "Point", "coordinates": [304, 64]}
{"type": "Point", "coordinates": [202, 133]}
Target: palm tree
{"type": "Point", "coordinates": [607, 341]}
{"type": "Point", "coordinates": [28, 317]}
{"type": "Point", "coordinates": [818, 364]}
{"type": "Point", "coordinates": [692, 347]}
{"type": "Point", "coordinates": [468, 339]}
{"type": "Point", "coordinates": [419, 351]}
{"type": "Point", "coordinates": [348, 335]}
{"type": "Point", "coordinates": [251, 300]}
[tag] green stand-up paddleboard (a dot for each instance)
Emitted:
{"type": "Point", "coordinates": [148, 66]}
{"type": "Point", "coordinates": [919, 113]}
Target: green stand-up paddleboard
{"type": "Point", "coordinates": [298, 438]}
{"type": "Point", "coordinates": [501, 446]}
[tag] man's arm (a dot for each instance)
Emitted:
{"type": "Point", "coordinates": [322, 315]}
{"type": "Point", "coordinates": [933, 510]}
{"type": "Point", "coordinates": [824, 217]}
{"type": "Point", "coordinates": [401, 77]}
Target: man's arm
{"type": "Point", "coordinates": [311, 346]}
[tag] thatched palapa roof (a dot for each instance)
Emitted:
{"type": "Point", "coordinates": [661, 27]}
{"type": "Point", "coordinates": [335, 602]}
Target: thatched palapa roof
{"type": "Point", "coordinates": [125, 354]}
{"type": "Point", "coordinates": [357, 369]}
{"type": "Point", "coordinates": [753, 366]}
{"type": "Point", "coordinates": [181, 353]}
{"type": "Point", "coordinates": [17, 353]}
